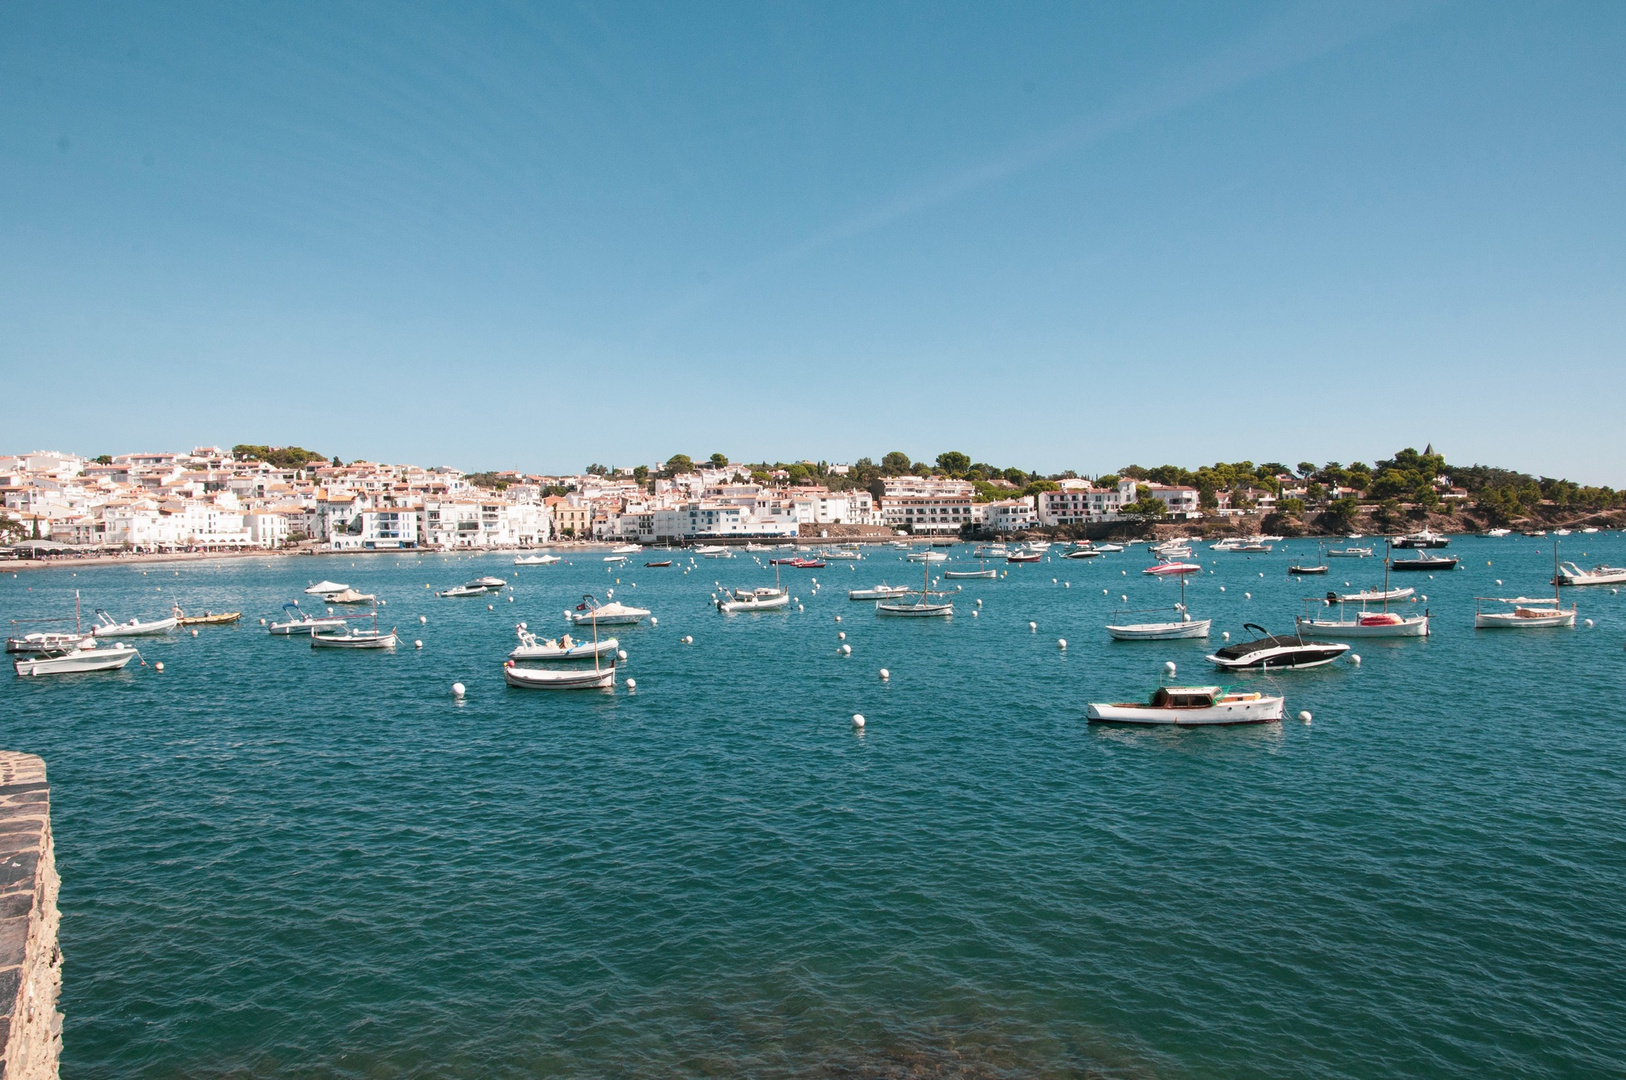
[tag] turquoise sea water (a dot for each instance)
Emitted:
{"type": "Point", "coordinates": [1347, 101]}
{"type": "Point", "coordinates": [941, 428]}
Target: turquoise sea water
{"type": "Point", "coordinates": [278, 861]}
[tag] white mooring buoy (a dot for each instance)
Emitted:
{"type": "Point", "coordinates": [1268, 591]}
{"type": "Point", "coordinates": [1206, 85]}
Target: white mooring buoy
{"type": "Point", "coordinates": [1061, 643]}
{"type": "Point", "coordinates": [858, 719]}
{"type": "Point", "coordinates": [632, 684]}
{"type": "Point", "coordinates": [159, 666]}
{"type": "Point", "coordinates": [621, 654]}
{"type": "Point", "coordinates": [885, 674]}
{"type": "Point", "coordinates": [457, 689]}
{"type": "Point", "coordinates": [417, 644]}
{"type": "Point", "coordinates": [1169, 668]}
{"type": "Point", "coordinates": [1355, 658]}
{"type": "Point", "coordinates": [1305, 716]}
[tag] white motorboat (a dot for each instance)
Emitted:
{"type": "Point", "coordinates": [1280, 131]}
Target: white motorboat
{"type": "Point", "coordinates": [107, 627]}
{"type": "Point", "coordinates": [615, 558]}
{"type": "Point", "coordinates": [1372, 596]}
{"type": "Point", "coordinates": [1084, 551]}
{"type": "Point", "coordinates": [556, 679]}
{"type": "Point", "coordinates": [626, 549]}
{"type": "Point", "coordinates": [462, 590]}
{"type": "Point", "coordinates": [1422, 539]}
{"type": "Point", "coordinates": [927, 556]}
{"type": "Point", "coordinates": [991, 551]}
{"type": "Point", "coordinates": [323, 588]}
{"type": "Point", "coordinates": [1171, 568]}
{"type": "Point", "coordinates": [299, 622]}
{"type": "Point", "coordinates": [1038, 545]}
{"type": "Point", "coordinates": [531, 647]}
{"type": "Point", "coordinates": [878, 592]}
{"type": "Point", "coordinates": [1192, 706]}
{"type": "Point", "coordinates": [1107, 549]}
{"type": "Point", "coordinates": [923, 607]}
{"type": "Point", "coordinates": [536, 560]}
{"type": "Point", "coordinates": [1498, 532]}
{"type": "Point", "coordinates": [1561, 532]}
{"type": "Point", "coordinates": [1166, 630]}
{"type": "Point", "coordinates": [710, 549]}
{"type": "Point", "coordinates": [840, 555]}
{"type": "Point", "coordinates": [86, 657]}
{"type": "Point", "coordinates": [762, 599]}
{"type": "Point", "coordinates": [1589, 530]}
{"type": "Point", "coordinates": [355, 638]}
{"type": "Point", "coordinates": [615, 613]}
{"type": "Point", "coordinates": [489, 582]}
{"type": "Point", "coordinates": [1251, 547]}
{"type": "Point", "coordinates": [1276, 652]}
{"type": "Point", "coordinates": [351, 596]}
{"type": "Point", "coordinates": [1571, 574]}
{"type": "Point", "coordinates": [1176, 547]}
{"type": "Point", "coordinates": [897, 544]}
{"type": "Point", "coordinates": [1350, 553]}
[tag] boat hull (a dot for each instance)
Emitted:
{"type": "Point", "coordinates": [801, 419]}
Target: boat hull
{"type": "Point", "coordinates": [914, 611]}
{"type": "Point", "coordinates": [1172, 631]}
{"type": "Point", "coordinates": [1419, 565]}
{"type": "Point", "coordinates": [877, 594]}
{"type": "Point", "coordinates": [988, 575]}
{"type": "Point", "coordinates": [1507, 620]}
{"type": "Point", "coordinates": [544, 679]}
{"type": "Point", "coordinates": [136, 629]}
{"type": "Point", "coordinates": [772, 603]}
{"type": "Point", "coordinates": [294, 629]}
{"type": "Point", "coordinates": [584, 651]}
{"type": "Point", "coordinates": [354, 641]}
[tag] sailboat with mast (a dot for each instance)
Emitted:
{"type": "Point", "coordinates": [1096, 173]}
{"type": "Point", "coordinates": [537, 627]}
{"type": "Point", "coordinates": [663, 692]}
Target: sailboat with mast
{"type": "Point", "coordinates": [1184, 627]}
{"type": "Point", "coordinates": [1367, 622]}
{"type": "Point", "coordinates": [923, 606]}
{"type": "Point", "coordinates": [1523, 612]}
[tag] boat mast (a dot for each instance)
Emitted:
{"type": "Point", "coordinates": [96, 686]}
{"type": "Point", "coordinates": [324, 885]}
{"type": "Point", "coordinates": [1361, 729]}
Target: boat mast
{"type": "Point", "coordinates": [1388, 554]}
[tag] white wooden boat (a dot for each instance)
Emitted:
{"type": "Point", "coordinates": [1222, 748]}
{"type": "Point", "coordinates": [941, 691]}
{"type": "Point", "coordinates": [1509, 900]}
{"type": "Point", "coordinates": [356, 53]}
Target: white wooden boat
{"type": "Point", "coordinates": [1166, 630]}
{"type": "Point", "coordinates": [536, 560]}
{"type": "Point", "coordinates": [988, 574]}
{"type": "Point", "coordinates": [41, 642]}
{"type": "Point", "coordinates": [878, 592]}
{"type": "Point", "coordinates": [615, 613]}
{"type": "Point", "coordinates": [351, 596]}
{"type": "Point", "coordinates": [1350, 553]}
{"type": "Point", "coordinates": [557, 679]}
{"type": "Point", "coordinates": [1523, 613]}
{"type": "Point", "coordinates": [841, 555]}
{"type": "Point", "coordinates": [323, 588]}
{"type": "Point", "coordinates": [1571, 574]}
{"type": "Point", "coordinates": [107, 627]}
{"type": "Point", "coordinates": [531, 647]}
{"type": "Point", "coordinates": [921, 608]}
{"type": "Point", "coordinates": [762, 599]}
{"type": "Point", "coordinates": [615, 558]}
{"type": "Point", "coordinates": [355, 638]}
{"type": "Point", "coordinates": [84, 658]}
{"type": "Point", "coordinates": [1367, 624]}
{"type": "Point", "coordinates": [1192, 706]}
{"type": "Point", "coordinates": [1276, 652]}
{"type": "Point", "coordinates": [1186, 627]}
{"type": "Point", "coordinates": [299, 622]}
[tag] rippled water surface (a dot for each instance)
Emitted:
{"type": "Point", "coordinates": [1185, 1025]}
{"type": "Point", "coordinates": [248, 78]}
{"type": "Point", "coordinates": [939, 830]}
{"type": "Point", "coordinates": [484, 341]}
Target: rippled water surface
{"type": "Point", "coordinates": [278, 861]}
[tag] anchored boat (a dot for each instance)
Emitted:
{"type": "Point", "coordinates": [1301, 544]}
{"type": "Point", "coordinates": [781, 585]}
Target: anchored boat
{"type": "Point", "coordinates": [1276, 652]}
{"type": "Point", "coordinates": [1192, 706]}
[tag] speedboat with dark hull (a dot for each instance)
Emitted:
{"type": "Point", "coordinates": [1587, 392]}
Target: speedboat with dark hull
{"type": "Point", "coordinates": [1425, 562]}
{"type": "Point", "coordinates": [1276, 652]}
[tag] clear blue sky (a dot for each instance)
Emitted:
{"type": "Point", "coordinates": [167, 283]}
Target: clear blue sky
{"type": "Point", "coordinates": [1052, 236]}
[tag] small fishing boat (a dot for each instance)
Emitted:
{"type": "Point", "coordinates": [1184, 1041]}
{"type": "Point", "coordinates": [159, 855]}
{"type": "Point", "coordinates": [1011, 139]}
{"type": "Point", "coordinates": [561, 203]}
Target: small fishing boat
{"type": "Point", "coordinates": [1166, 630]}
{"type": "Point", "coordinates": [355, 638]}
{"type": "Point", "coordinates": [1022, 557]}
{"type": "Point", "coordinates": [991, 551]}
{"type": "Point", "coordinates": [1589, 530]}
{"type": "Point", "coordinates": [531, 647]}
{"type": "Point", "coordinates": [299, 622]}
{"type": "Point", "coordinates": [765, 598]}
{"type": "Point", "coordinates": [614, 613]}
{"type": "Point", "coordinates": [1561, 532]}
{"type": "Point", "coordinates": [1272, 652]}
{"type": "Point", "coordinates": [1254, 546]}
{"type": "Point", "coordinates": [351, 596]}
{"type": "Point", "coordinates": [45, 642]}
{"type": "Point", "coordinates": [1571, 574]}
{"type": "Point", "coordinates": [107, 627]}
{"type": "Point", "coordinates": [923, 607]}
{"type": "Point", "coordinates": [208, 618]}
{"type": "Point", "coordinates": [804, 564]}
{"type": "Point", "coordinates": [1367, 624]}
{"type": "Point", "coordinates": [987, 573]}
{"type": "Point", "coordinates": [1423, 539]}
{"type": "Point", "coordinates": [1524, 613]}
{"type": "Point", "coordinates": [1425, 562]}
{"type": "Point", "coordinates": [1350, 553]}
{"type": "Point", "coordinates": [615, 558]}
{"type": "Point", "coordinates": [663, 562]}
{"type": "Point", "coordinates": [324, 588]}
{"type": "Point", "coordinates": [555, 679]}
{"type": "Point", "coordinates": [1192, 706]}
{"type": "Point", "coordinates": [1170, 568]}
{"type": "Point", "coordinates": [841, 554]}
{"type": "Point", "coordinates": [1319, 568]}
{"type": "Point", "coordinates": [536, 560]}
{"type": "Point", "coordinates": [878, 592]}
{"type": "Point", "coordinates": [86, 657]}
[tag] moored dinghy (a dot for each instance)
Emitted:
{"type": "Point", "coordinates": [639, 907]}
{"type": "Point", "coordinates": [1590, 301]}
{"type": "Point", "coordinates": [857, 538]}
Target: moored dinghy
{"type": "Point", "coordinates": [107, 627]}
{"type": "Point", "coordinates": [86, 657]}
{"type": "Point", "coordinates": [1185, 627]}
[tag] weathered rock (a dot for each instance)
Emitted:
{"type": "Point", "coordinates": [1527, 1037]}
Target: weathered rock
{"type": "Point", "coordinates": [30, 962]}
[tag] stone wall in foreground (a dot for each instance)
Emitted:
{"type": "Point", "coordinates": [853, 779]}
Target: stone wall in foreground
{"type": "Point", "coordinates": [30, 962]}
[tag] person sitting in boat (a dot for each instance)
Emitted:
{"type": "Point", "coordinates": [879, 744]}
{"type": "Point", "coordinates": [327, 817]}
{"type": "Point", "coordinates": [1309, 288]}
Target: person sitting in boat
{"type": "Point", "coordinates": [564, 642]}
